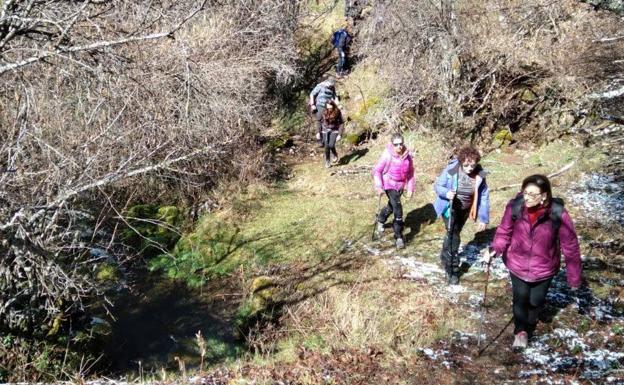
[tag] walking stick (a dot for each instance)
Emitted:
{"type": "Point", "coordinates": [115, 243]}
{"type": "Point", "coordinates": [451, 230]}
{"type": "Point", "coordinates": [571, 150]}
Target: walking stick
{"type": "Point", "coordinates": [376, 218]}
{"type": "Point", "coordinates": [487, 279]}
{"type": "Point", "coordinates": [495, 338]}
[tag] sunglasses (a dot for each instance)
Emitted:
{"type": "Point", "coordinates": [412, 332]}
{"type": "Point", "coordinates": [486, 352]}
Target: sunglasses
{"type": "Point", "coordinates": [397, 144]}
{"type": "Point", "coordinates": [531, 195]}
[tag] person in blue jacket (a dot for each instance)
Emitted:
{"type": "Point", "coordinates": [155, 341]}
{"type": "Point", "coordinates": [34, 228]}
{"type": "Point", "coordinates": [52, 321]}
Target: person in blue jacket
{"type": "Point", "coordinates": [462, 193]}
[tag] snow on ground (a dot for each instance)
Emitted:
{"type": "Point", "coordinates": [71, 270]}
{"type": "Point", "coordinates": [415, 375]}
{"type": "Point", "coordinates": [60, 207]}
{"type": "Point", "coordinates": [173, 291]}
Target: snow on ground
{"type": "Point", "coordinates": [600, 196]}
{"type": "Point", "coordinates": [591, 355]}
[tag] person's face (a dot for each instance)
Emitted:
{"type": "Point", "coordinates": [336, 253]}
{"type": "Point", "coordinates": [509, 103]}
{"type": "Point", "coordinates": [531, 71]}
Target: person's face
{"type": "Point", "coordinates": [398, 145]}
{"type": "Point", "coordinates": [533, 196]}
{"type": "Point", "coordinates": [469, 165]}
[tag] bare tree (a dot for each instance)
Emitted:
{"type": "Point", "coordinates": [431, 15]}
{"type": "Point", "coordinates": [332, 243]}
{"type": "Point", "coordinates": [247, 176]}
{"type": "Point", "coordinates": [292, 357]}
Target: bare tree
{"type": "Point", "coordinates": [470, 68]}
{"type": "Point", "coordinates": [104, 103]}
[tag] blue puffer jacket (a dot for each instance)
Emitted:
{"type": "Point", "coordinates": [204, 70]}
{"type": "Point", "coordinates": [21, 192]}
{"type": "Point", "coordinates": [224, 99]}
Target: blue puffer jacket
{"type": "Point", "coordinates": [447, 180]}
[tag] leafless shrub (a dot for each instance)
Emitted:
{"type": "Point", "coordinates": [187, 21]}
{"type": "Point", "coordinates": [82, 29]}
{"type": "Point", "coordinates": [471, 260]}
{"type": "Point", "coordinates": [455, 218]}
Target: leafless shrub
{"type": "Point", "coordinates": [463, 66]}
{"type": "Point", "coordinates": [104, 103]}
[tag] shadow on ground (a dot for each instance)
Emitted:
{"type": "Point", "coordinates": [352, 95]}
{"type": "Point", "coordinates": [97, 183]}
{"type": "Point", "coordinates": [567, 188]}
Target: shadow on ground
{"type": "Point", "coordinates": [416, 219]}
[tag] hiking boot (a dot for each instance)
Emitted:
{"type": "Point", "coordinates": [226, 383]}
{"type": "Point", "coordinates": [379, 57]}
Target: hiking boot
{"type": "Point", "coordinates": [327, 164]}
{"type": "Point", "coordinates": [453, 279]}
{"type": "Point", "coordinates": [334, 159]}
{"type": "Point", "coordinates": [380, 228]}
{"type": "Point", "coordinates": [399, 243]}
{"type": "Point", "coordinates": [521, 341]}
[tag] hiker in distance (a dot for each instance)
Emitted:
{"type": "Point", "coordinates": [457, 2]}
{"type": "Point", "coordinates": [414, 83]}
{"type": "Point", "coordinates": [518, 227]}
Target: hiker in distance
{"type": "Point", "coordinates": [340, 40]}
{"type": "Point", "coordinates": [462, 193]}
{"type": "Point", "coordinates": [332, 127]}
{"type": "Point", "coordinates": [393, 173]}
{"type": "Point", "coordinates": [320, 95]}
{"type": "Point", "coordinates": [535, 229]}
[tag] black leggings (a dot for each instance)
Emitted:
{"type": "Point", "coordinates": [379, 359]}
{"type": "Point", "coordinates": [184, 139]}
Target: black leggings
{"type": "Point", "coordinates": [449, 256]}
{"type": "Point", "coordinates": [528, 299]}
{"type": "Point", "coordinates": [395, 207]}
{"type": "Point", "coordinates": [329, 141]}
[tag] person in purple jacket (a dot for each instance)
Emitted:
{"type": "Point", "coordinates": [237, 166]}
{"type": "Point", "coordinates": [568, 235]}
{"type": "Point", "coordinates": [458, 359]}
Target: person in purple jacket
{"type": "Point", "coordinates": [393, 173]}
{"type": "Point", "coordinates": [531, 241]}
{"type": "Point", "coordinates": [462, 193]}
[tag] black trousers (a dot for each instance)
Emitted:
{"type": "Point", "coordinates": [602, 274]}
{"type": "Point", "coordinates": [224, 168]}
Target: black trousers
{"type": "Point", "coordinates": [449, 255]}
{"type": "Point", "coordinates": [528, 299]}
{"type": "Point", "coordinates": [329, 141]}
{"type": "Point", "coordinates": [395, 207]}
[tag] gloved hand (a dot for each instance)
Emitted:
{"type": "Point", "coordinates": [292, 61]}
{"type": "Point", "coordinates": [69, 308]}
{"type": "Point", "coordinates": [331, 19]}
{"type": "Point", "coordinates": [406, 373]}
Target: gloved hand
{"type": "Point", "coordinates": [318, 136]}
{"type": "Point", "coordinates": [338, 137]}
{"type": "Point", "coordinates": [313, 108]}
{"type": "Point", "coordinates": [450, 195]}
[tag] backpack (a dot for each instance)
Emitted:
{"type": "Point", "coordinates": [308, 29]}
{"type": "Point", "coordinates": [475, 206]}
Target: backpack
{"type": "Point", "coordinates": [341, 38]}
{"type": "Point", "coordinates": [556, 211]}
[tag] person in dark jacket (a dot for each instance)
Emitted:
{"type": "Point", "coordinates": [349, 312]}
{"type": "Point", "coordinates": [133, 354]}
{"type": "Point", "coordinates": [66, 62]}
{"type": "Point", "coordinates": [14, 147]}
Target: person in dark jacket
{"type": "Point", "coordinates": [340, 40]}
{"type": "Point", "coordinates": [531, 247]}
{"type": "Point", "coordinates": [320, 95]}
{"type": "Point", "coordinates": [332, 127]}
{"type": "Point", "coordinates": [462, 193]}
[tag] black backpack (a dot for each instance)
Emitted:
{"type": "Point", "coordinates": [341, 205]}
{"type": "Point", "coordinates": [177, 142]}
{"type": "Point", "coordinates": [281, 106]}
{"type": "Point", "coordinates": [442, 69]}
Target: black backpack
{"type": "Point", "coordinates": [556, 211]}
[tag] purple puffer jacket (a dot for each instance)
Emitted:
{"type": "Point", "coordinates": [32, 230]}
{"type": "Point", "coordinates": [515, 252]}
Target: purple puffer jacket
{"type": "Point", "coordinates": [394, 172]}
{"type": "Point", "coordinates": [530, 251]}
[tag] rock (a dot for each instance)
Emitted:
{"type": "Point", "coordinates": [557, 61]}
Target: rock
{"type": "Point", "coordinates": [528, 96]}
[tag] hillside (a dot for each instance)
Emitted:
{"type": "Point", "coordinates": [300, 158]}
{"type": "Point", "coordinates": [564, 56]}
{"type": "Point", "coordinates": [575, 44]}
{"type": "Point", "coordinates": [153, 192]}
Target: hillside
{"type": "Point", "coordinates": [189, 232]}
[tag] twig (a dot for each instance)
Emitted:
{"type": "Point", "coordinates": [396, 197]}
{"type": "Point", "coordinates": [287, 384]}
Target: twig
{"type": "Point", "coordinates": [554, 174]}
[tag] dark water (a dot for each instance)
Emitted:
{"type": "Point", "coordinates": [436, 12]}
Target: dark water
{"type": "Point", "coordinates": [157, 321]}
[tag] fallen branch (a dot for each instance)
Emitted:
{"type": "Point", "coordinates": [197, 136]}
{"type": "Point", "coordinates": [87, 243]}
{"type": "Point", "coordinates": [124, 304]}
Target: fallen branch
{"type": "Point", "coordinates": [554, 174]}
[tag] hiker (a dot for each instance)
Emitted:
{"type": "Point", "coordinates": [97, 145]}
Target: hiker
{"type": "Point", "coordinates": [332, 127]}
{"type": "Point", "coordinates": [320, 95]}
{"type": "Point", "coordinates": [462, 193]}
{"type": "Point", "coordinates": [340, 40]}
{"type": "Point", "coordinates": [393, 173]}
{"type": "Point", "coordinates": [535, 229]}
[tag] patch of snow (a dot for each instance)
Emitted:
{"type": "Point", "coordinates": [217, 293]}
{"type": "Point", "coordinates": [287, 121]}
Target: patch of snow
{"type": "Point", "coordinates": [600, 196]}
{"type": "Point", "coordinates": [419, 270]}
{"type": "Point", "coordinates": [433, 355]}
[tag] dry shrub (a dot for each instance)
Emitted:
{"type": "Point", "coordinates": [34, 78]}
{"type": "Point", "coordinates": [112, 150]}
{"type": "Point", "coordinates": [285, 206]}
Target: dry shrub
{"type": "Point", "coordinates": [107, 103]}
{"type": "Point", "coordinates": [462, 67]}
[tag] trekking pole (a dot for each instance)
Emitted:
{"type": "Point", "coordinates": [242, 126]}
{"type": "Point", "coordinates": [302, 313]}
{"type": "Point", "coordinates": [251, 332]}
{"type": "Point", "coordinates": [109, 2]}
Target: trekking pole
{"type": "Point", "coordinates": [375, 222]}
{"type": "Point", "coordinates": [487, 279]}
{"type": "Point", "coordinates": [495, 338]}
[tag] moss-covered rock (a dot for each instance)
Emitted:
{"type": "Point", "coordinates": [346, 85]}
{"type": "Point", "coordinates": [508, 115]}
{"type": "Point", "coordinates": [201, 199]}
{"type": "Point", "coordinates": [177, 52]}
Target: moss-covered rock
{"type": "Point", "coordinates": [616, 6]}
{"type": "Point", "coordinates": [260, 306]}
{"type": "Point", "coordinates": [152, 228]}
{"type": "Point", "coordinates": [528, 96]}
{"type": "Point", "coordinates": [107, 273]}
{"type": "Point", "coordinates": [502, 138]}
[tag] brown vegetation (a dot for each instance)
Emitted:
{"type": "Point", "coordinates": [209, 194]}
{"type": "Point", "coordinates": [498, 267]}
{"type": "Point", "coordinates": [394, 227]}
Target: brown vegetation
{"type": "Point", "coordinates": [472, 68]}
{"type": "Point", "coordinates": [105, 104]}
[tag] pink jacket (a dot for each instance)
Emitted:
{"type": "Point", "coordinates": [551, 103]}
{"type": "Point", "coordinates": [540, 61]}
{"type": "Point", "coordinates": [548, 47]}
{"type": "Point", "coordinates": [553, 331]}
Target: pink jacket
{"type": "Point", "coordinates": [531, 252]}
{"type": "Point", "coordinates": [394, 172]}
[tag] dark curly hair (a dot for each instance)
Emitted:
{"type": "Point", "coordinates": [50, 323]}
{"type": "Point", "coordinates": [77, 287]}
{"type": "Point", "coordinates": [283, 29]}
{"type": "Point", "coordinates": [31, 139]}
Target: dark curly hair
{"type": "Point", "coordinates": [468, 153]}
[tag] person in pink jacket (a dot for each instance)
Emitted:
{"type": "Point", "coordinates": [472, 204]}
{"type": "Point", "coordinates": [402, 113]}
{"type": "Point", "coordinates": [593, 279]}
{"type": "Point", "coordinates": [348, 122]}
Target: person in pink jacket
{"type": "Point", "coordinates": [535, 229]}
{"type": "Point", "coordinates": [393, 173]}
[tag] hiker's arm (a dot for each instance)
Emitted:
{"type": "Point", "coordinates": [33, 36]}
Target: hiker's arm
{"type": "Point", "coordinates": [314, 92]}
{"type": "Point", "coordinates": [502, 238]}
{"type": "Point", "coordinates": [440, 185]}
{"type": "Point", "coordinates": [378, 171]}
{"type": "Point", "coordinates": [410, 180]}
{"type": "Point", "coordinates": [571, 250]}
